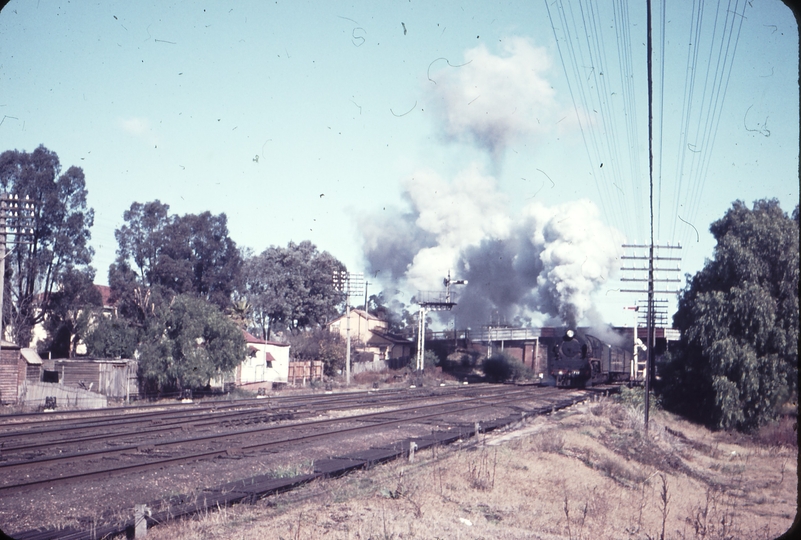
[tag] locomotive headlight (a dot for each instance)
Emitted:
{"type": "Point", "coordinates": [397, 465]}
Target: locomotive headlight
{"type": "Point", "coordinates": [569, 334]}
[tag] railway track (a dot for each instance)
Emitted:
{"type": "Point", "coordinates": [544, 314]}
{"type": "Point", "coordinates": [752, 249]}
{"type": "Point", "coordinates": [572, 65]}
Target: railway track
{"type": "Point", "coordinates": [61, 435]}
{"type": "Point", "coordinates": [312, 428]}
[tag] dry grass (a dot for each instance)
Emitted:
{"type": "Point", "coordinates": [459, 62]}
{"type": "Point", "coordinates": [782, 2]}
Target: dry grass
{"type": "Point", "coordinates": [588, 472]}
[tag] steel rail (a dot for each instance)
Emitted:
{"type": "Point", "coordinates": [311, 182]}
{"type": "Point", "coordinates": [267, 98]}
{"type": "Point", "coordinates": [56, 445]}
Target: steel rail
{"type": "Point", "coordinates": [206, 438]}
{"type": "Point", "coordinates": [177, 420]}
{"type": "Point", "coordinates": [225, 451]}
{"type": "Point", "coordinates": [113, 412]}
{"type": "Point", "coordinates": [92, 417]}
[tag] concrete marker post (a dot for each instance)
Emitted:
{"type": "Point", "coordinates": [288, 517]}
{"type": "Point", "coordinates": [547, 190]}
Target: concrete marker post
{"type": "Point", "coordinates": [140, 520]}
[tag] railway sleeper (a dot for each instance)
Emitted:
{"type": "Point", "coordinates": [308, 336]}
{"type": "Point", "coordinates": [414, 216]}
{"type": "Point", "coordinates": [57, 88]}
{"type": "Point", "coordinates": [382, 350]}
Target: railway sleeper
{"type": "Point", "coordinates": [252, 489]}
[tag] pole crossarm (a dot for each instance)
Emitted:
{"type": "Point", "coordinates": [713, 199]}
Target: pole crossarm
{"type": "Point", "coordinates": [652, 280]}
{"type": "Point", "coordinates": [637, 269]}
{"type": "Point", "coordinates": [628, 257]}
{"type": "Point", "coordinates": [646, 291]}
{"type": "Point", "coordinates": [647, 246]}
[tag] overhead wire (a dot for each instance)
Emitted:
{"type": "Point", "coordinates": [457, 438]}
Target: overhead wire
{"type": "Point", "coordinates": [723, 76]}
{"type": "Point", "coordinates": [579, 100]}
{"type": "Point", "coordinates": [607, 151]}
{"type": "Point", "coordinates": [661, 128]}
{"type": "Point", "coordinates": [607, 116]}
{"type": "Point", "coordinates": [701, 125]}
{"type": "Point", "coordinates": [696, 20]}
{"type": "Point", "coordinates": [597, 114]}
{"type": "Point", "coordinates": [626, 73]}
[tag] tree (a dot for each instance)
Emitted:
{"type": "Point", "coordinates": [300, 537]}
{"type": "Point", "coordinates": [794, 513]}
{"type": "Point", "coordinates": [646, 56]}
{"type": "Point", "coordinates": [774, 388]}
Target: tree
{"type": "Point", "coordinates": [737, 362]}
{"type": "Point", "coordinates": [320, 344]}
{"type": "Point", "coordinates": [112, 337]}
{"type": "Point", "coordinates": [60, 240]}
{"type": "Point", "coordinates": [187, 344]}
{"type": "Point", "coordinates": [70, 312]}
{"type": "Point", "coordinates": [291, 287]}
{"type": "Point", "coordinates": [398, 318]}
{"type": "Point", "coordinates": [162, 255]}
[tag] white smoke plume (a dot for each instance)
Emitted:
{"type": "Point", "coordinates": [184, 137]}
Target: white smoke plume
{"type": "Point", "coordinates": [544, 262]}
{"type": "Point", "coordinates": [493, 100]}
{"type": "Point", "coordinates": [540, 265]}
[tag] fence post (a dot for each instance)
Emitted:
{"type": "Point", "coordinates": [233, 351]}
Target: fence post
{"type": "Point", "coordinates": [140, 521]}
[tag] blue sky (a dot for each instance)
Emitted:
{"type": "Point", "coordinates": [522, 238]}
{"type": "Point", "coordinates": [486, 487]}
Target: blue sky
{"type": "Point", "coordinates": [409, 138]}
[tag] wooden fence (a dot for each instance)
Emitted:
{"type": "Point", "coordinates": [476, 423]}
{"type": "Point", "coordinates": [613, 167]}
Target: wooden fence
{"type": "Point", "coordinates": [300, 372]}
{"type": "Point", "coordinates": [113, 378]}
{"type": "Point", "coordinates": [33, 394]}
{"type": "Point", "coordinates": [362, 367]}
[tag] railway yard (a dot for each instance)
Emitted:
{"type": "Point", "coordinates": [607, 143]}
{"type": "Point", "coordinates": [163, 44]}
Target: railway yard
{"type": "Point", "coordinates": [79, 474]}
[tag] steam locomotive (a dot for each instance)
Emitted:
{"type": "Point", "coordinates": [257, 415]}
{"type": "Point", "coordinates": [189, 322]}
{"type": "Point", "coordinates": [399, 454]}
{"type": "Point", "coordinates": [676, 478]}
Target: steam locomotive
{"type": "Point", "coordinates": [577, 360]}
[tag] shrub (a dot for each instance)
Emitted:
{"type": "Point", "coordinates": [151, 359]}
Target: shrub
{"type": "Point", "coordinates": [320, 344]}
{"type": "Point", "coordinates": [502, 367]}
{"type": "Point", "coordinates": [430, 360]}
{"type": "Point", "coordinates": [780, 433]}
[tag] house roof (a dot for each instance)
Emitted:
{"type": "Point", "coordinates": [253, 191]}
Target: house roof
{"type": "Point", "coordinates": [360, 313]}
{"type": "Point", "coordinates": [250, 338]}
{"type": "Point", "coordinates": [31, 356]}
{"type": "Point", "coordinates": [105, 294]}
{"type": "Point", "coordinates": [393, 338]}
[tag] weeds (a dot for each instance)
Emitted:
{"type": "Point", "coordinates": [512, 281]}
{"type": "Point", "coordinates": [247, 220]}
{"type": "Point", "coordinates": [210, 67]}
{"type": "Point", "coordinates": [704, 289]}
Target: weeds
{"type": "Point", "coordinates": [291, 471]}
{"type": "Point", "coordinates": [481, 472]}
{"type": "Point", "coordinates": [664, 501]}
{"type": "Point", "coordinates": [401, 491]}
{"type": "Point", "coordinates": [552, 443]}
{"type": "Point", "coordinates": [578, 520]}
{"type": "Point", "coordinates": [714, 517]}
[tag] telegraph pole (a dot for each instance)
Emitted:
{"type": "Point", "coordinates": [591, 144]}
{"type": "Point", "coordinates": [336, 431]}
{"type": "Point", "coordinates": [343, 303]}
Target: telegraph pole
{"type": "Point", "coordinates": [650, 291]}
{"type": "Point", "coordinates": [348, 283]}
{"type": "Point", "coordinates": [16, 219]}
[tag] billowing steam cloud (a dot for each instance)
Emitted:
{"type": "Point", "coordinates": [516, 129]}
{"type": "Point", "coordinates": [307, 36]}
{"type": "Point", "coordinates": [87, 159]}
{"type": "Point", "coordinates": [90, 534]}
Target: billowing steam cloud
{"type": "Point", "coordinates": [545, 262]}
{"type": "Point", "coordinates": [492, 100]}
{"type": "Point", "coordinates": [538, 265]}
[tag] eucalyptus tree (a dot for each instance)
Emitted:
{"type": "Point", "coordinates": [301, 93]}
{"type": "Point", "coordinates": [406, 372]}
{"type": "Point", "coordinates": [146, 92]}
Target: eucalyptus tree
{"type": "Point", "coordinates": [187, 343]}
{"type": "Point", "coordinates": [292, 287]}
{"type": "Point", "coordinates": [161, 255]}
{"type": "Point", "coordinates": [737, 362]}
{"type": "Point", "coordinates": [60, 240]}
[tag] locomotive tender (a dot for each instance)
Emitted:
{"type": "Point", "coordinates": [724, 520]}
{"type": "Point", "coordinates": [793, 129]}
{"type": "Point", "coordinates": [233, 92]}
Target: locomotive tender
{"type": "Point", "coordinates": [577, 360]}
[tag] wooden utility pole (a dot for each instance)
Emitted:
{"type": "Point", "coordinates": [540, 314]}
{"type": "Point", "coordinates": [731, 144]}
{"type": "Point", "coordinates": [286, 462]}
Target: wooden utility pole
{"type": "Point", "coordinates": [16, 219]}
{"type": "Point", "coordinates": [650, 271]}
{"type": "Point", "coordinates": [348, 283]}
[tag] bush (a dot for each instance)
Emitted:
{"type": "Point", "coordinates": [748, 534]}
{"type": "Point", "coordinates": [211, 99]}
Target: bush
{"type": "Point", "coordinates": [430, 360]}
{"type": "Point", "coordinates": [320, 344]}
{"type": "Point", "coordinates": [634, 398]}
{"type": "Point", "coordinates": [461, 359]}
{"type": "Point", "coordinates": [780, 433]}
{"type": "Point", "coordinates": [502, 367]}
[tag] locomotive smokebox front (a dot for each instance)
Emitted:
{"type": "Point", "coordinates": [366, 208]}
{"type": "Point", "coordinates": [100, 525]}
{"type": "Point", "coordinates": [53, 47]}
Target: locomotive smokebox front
{"type": "Point", "coordinates": [570, 366]}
